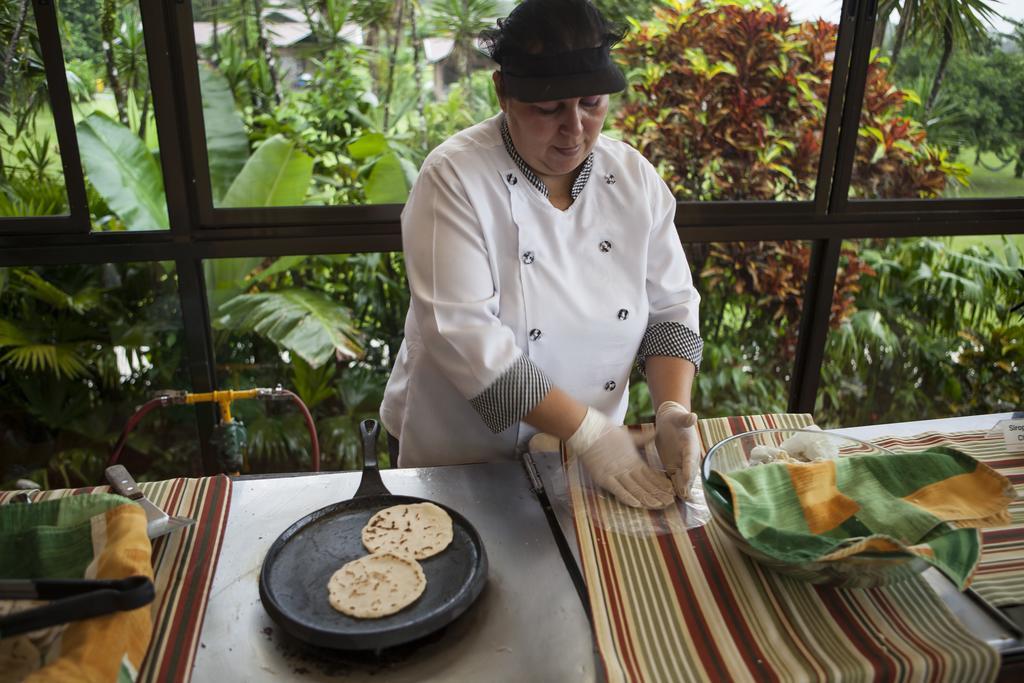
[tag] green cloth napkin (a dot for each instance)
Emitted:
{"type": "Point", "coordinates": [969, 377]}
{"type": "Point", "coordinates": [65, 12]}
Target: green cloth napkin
{"type": "Point", "coordinates": [98, 536]}
{"type": "Point", "coordinates": [930, 504]}
{"type": "Point", "coordinates": [52, 539]}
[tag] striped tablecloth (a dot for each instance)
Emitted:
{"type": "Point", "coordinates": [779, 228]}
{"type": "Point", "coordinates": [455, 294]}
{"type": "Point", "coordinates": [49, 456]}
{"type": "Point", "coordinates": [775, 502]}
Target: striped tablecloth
{"type": "Point", "coordinates": [1000, 575]}
{"type": "Point", "coordinates": [183, 567]}
{"type": "Point", "coordinates": [688, 606]}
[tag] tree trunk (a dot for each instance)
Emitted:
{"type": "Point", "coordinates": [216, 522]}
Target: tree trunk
{"type": "Point", "coordinates": [940, 72]}
{"type": "Point", "coordinates": [143, 116]}
{"type": "Point", "coordinates": [878, 35]}
{"type": "Point", "coordinates": [107, 30]}
{"type": "Point", "coordinates": [132, 87]}
{"type": "Point", "coordinates": [254, 94]}
{"type": "Point", "coordinates": [19, 26]}
{"type": "Point", "coordinates": [906, 18]}
{"type": "Point", "coordinates": [242, 13]}
{"type": "Point", "coordinates": [392, 59]}
{"type": "Point", "coordinates": [371, 41]}
{"type": "Point", "coordinates": [314, 25]}
{"type": "Point", "coordinates": [264, 47]}
{"type": "Point", "coordinates": [215, 56]}
{"type": "Point", "coordinates": [417, 55]}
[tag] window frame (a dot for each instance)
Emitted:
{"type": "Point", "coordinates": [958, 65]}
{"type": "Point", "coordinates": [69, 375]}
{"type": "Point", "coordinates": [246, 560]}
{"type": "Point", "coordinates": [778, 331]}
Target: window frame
{"type": "Point", "coordinates": [198, 231]}
{"type": "Point", "coordinates": [76, 221]}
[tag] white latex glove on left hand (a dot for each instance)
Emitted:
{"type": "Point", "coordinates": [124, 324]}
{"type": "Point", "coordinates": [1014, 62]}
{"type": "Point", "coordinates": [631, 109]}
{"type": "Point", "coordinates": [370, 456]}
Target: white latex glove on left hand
{"type": "Point", "coordinates": [678, 445]}
{"type": "Point", "coordinates": [609, 454]}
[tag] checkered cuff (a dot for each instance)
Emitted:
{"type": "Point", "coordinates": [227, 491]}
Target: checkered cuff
{"type": "Point", "coordinates": [670, 339]}
{"type": "Point", "coordinates": [510, 397]}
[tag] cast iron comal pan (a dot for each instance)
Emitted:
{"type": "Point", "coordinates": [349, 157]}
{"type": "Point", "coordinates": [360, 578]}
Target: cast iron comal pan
{"type": "Point", "coordinates": [293, 580]}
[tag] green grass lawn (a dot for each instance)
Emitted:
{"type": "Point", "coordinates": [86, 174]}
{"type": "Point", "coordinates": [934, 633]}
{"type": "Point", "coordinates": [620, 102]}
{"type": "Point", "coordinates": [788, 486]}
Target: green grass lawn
{"type": "Point", "coordinates": [993, 242]}
{"type": "Point", "coordinates": [101, 102]}
{"type": "Point", "coordinates": [986, 183]}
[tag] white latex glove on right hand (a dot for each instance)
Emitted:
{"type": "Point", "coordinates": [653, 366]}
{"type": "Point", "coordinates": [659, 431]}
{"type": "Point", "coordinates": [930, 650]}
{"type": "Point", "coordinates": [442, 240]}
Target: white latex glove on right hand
{"type": "Point", "coordinates": [609, 455]}
{"type": "Point", "coordinates": [678, 445]}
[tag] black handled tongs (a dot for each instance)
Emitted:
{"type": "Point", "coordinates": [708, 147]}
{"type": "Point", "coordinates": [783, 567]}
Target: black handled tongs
{"type": "Point", "coordinates": [73, 600]}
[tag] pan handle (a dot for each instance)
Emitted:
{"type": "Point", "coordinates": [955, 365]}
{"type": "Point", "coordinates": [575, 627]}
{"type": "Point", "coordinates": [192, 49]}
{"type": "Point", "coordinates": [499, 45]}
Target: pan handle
{"type": "Point", "coordinates": [371, 483]}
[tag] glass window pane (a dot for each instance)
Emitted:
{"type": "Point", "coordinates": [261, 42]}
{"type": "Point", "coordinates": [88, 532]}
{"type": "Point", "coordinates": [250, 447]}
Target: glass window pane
{"type": "Point", "coordinates": [31, 177]}
{"type": "Point", "coordinates": [728, 100]}
{"type": "Point", "coordinates": [943, 115]}
{"type": "Point", "coordinates": [325, 327]}
{"type": "Point", "coordinates": [926, 331]}
{"type": "Point", "coordinates": [108, 77]}
{"type": "Point", "coordinates": [344, 99]}
{"type": "Point", "coordinates": [751, 303]}
{"type": "Point", "coordinates": [81, 348]}
{"type": "Point", "coordinates": [346, 104]}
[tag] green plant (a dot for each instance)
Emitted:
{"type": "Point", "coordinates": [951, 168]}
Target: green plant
{"type": "Point", "coordinates": [979, 107]}
{"type": "Point", "coordinates": [621, 11]}
{"type": "Point", "coordinates": [126, 173]}
{"type": "Point", "coordinates": [128, 176]}
{"type": "Point", "coordinates": [303, 322]}
{"type": "Point", "coordinates": [729, 104]}
{"type": "Point", "coordinates": [389, 176]}
{"type": "Point", "coordinates": [367, 291]}
{"type": "Point", "coordinates": [26, 156]}
{"type": "Point", "coordinates": [24, 196]}
{"type": "Point", "coordinates": [227, 144]}
{"type": "Point", "coordinates": [956, 23]}
{"type": "Point", "coordinates": [80, 346]}
{"type": "Point", "coordinates": [467, 103]}
{"type": "Point", "coordinates": [908, 354]}
{"type": "Point", "coordinates": [462, 21]}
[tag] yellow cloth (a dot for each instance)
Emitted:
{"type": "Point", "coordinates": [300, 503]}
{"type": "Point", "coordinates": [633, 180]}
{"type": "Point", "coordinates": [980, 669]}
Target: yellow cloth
{"type": "Point", "coordinates": [108, 648]}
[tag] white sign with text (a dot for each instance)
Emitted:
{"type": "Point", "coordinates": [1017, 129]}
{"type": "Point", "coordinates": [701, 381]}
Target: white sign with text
{"type": "Point", "coordinates": [1013, 434]}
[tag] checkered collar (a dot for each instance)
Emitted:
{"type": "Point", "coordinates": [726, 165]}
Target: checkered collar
{"type": "Point", "coordinates": [577, 185]}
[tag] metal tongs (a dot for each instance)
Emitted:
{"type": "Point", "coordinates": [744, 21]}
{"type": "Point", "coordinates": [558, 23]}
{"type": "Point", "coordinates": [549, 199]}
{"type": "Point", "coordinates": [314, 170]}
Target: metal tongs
{"type": "Point", "coordinates": [73, 600]}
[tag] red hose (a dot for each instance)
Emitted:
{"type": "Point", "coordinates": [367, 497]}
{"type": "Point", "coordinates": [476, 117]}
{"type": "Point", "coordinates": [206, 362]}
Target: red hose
{"type": "Point", "coordinates": [309, 425]}
{"type": "Point", "coordinates": [133, 421]}
{"type": "Point", "coordinates": [137, 416]}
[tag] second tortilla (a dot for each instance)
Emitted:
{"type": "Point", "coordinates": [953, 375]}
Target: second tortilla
{"type": "Point", "coordinates": [420, 530]}
{"type": "Point", "coordinates": [376, 585]}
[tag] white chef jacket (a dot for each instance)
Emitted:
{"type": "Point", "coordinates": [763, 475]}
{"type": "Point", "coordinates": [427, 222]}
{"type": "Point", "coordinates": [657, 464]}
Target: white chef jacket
{"type": "Point", "coordinates": [511, 295]}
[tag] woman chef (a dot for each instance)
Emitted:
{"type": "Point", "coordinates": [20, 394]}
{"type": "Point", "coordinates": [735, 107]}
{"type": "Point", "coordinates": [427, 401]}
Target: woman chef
{"type": "Point", "coordinates": [543, 262]}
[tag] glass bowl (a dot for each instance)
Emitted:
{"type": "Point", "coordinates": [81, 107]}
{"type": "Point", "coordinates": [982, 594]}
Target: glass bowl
{"type": "Point", "coordinates": [860, 571]}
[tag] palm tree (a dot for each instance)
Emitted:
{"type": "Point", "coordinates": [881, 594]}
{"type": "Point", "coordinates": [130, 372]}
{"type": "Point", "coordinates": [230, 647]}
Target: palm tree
{"type": "Point", "coordinates": [955, 22]}
{"type": "Point", "coordinates": [960, 22]}
{"type": "Point", "coordinates": [907, 11]}
{"type": "Point", "coordinates": [462, 21]}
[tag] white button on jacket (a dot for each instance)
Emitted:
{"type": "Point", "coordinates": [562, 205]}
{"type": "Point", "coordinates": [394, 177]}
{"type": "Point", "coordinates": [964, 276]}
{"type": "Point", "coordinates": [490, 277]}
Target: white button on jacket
{"type": "Point", "coordinates": [511, 295]}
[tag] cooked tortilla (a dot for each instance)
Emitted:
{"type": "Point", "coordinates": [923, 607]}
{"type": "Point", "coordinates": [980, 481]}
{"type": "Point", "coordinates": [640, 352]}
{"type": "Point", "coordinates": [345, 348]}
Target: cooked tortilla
{"type": "Point", "coordinates": [376, 585]}
{"type": "Point", "coordinates": [418, 530]}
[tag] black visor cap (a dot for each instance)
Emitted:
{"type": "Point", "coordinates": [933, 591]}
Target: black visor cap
{"type": "Point", "coordinates": [547, 88]}
{"type": "Point", "coordinates": [546, 77]}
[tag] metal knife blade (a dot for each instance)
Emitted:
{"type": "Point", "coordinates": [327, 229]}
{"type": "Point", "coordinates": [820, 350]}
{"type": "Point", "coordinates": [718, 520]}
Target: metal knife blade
{"type": "Point", "coordinates": [158, 522]}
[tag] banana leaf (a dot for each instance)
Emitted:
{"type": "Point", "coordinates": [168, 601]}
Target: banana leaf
{"type": "Point", "coordinates": [303, 322]}
{"type": "Point", "coordinates": [277, 174]}
{"type": "Point", "coordinates": [227, 145]}
{"type": "Point", "coordinates": [124, 172]}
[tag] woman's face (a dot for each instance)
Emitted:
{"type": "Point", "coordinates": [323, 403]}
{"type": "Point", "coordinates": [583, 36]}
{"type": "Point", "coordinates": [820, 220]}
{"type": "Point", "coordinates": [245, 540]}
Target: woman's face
{"type": "Point", "coordinates": [554, 137]}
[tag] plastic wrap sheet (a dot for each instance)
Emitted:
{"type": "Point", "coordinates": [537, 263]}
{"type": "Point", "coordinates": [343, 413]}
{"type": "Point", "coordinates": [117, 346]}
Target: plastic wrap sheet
{"type": "Point", "coordinates": [676, 518]}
